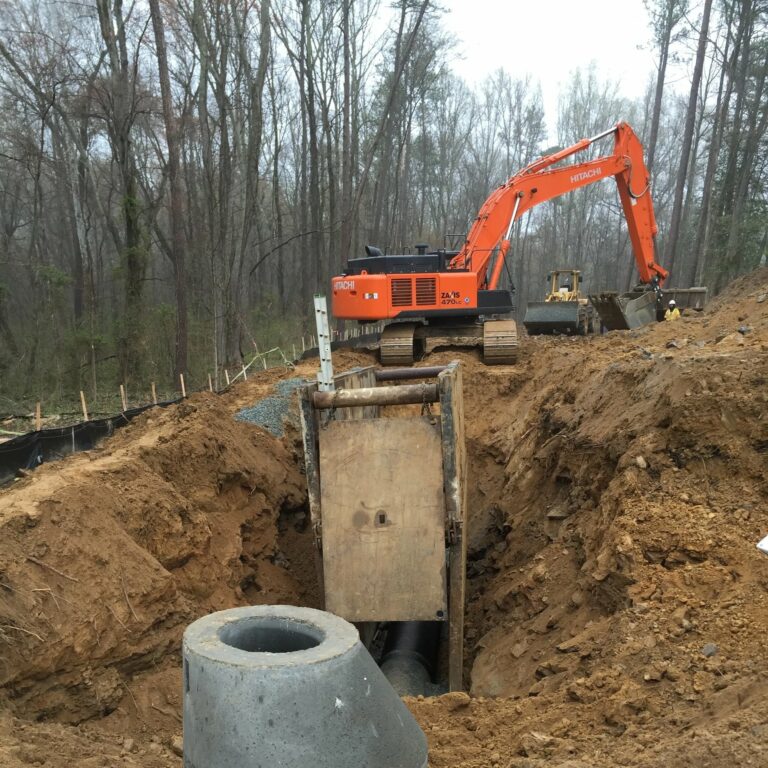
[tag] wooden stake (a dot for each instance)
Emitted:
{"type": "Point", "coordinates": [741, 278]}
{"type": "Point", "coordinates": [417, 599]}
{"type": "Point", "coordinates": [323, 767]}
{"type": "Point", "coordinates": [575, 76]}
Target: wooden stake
{"type": "Point", "coordinates": [226, 376]}
{"type": "Point", "coordinates": [210, 383]}
{"type": "Point", "coordinates": [154, 393]}
{"type": "Point", "coordinates": [85, 407]}
{"type": "Point", "coordinates": [38, 416]}
{"type": "Point", "coordinates": [183, 388]}
{"type": "Point", "coordinates": [245, 374]}
{"type": "Point", "coordinates": [123, 397]}
{"type": "Point", "coordinates": [293, 348]}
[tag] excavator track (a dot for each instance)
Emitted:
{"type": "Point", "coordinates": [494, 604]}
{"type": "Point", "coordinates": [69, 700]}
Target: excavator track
{"type": "Point", "coordinates": [500, 342]}
{"type": "Point", "coordinates": [397, 344]}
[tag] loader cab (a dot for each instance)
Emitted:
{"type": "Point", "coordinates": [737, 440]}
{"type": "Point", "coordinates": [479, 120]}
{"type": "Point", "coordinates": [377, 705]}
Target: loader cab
{"type": "Point", "coordinates": [564, 285]}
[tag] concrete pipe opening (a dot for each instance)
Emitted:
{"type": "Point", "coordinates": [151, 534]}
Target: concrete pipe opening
{"type": "Point", "coordinates": [271, 634]}
{"type": "Point", "coordinates": [285, 686]}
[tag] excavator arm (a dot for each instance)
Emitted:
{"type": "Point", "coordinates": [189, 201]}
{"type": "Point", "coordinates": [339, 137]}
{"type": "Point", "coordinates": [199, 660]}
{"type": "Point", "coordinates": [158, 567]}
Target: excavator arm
{"type": "Point", "coordinates": [539, 182]}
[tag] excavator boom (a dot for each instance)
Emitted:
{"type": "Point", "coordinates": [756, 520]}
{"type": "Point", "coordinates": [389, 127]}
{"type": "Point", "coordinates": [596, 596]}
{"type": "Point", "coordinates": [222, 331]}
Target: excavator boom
{"type": "Point", "coordinates": [539, 182]}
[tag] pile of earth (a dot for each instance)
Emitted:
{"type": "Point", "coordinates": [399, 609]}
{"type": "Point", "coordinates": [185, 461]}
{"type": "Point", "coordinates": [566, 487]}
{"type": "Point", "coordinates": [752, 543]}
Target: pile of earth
{"type": "Point", "coordinates": [618, 601]}
{"type": "Point", "coordinates": [616, 609]}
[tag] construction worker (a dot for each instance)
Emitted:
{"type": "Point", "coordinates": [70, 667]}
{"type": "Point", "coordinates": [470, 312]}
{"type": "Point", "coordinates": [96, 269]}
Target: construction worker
{"type": "Point", "coordinates": [673, 313]}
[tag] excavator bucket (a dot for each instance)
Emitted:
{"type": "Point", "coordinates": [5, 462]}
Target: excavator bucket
{"type": "Point", "coordinates": [626, 311]}
{"type": "Point", "coordinates": [546, 317]}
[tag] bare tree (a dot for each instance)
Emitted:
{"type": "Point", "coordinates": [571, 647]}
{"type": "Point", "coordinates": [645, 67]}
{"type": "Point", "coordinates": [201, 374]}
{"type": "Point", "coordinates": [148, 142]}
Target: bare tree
{"type": "Point", "coordinates": [178, 248]}
{"type": "Point", "coordinates": [685, 151]}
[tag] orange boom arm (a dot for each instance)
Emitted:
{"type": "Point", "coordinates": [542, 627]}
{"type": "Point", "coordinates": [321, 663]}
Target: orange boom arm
{"type": "Point", "coordinates": [539, 182]}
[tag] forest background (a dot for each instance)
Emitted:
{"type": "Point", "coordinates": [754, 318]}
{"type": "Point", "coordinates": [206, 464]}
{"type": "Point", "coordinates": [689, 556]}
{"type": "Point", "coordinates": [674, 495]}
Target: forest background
{"type": "Point", "coordinates": [177, 179]}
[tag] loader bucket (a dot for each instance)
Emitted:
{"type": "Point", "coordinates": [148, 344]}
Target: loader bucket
{"type": "Point", "coordinates": [626, 311]}
{"type": "Point", "coordinates": [545, 317]}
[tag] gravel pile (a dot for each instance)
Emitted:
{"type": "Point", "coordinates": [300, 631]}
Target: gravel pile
{"type": "Point", "coordinates": [272, 412]}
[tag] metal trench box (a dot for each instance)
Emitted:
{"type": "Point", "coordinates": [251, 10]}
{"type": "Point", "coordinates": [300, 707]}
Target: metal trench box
{"type": "Point", "coordinates": [387, 497]}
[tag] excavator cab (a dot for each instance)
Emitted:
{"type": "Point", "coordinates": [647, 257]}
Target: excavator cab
{"type": "Point", "coordinates": [564, 310]}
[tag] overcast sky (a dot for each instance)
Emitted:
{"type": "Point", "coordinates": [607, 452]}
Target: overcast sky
{"type": "Point", "coordinates": [550, 38]}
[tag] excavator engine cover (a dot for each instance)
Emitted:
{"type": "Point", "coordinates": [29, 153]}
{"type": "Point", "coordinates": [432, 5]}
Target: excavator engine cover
{"type": "Point", "coordinates": [419, 263]}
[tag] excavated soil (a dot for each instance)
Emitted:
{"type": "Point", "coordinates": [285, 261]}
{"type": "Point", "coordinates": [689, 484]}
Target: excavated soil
{"type": "Point", "coordinates": [617, 605]}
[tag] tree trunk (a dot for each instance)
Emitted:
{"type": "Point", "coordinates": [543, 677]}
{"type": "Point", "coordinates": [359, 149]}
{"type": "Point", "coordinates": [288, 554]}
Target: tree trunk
{"type": "Point", "coordinates": [666, 34]}
{"type": "Point", "coordinates": [690, 118]}
{"type": "Point", "coordinates": [178, 240]}
{"type": "Point", "coordinates": [347, 221]}
{"type": "Point", "coordinates": [701, 239]}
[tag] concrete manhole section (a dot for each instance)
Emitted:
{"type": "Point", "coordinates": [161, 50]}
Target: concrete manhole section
{"type": "Point", "coordinates": [286, 686]}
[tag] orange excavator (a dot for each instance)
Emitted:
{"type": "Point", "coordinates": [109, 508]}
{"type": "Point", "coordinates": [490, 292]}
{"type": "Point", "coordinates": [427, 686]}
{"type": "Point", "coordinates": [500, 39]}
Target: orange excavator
{"type": "Point", "coordinates": [453, 298]}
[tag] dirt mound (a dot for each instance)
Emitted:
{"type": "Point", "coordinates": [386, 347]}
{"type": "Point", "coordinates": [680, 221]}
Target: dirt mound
{"type": "Point", "coordinates": [616, 598]}
{"type": "Point", "coordinates": [108, 555]}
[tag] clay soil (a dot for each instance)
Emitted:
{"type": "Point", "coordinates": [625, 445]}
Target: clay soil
{"type": "Point", "coordinates": [617, 608]}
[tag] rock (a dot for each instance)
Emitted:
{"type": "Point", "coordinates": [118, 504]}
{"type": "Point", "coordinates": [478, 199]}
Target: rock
{"type": "Point", "coordinates": [762, 297]}
{"type": "Point", "coordinates": [709, 650]}
{"type": "Point", "coordinates": [129, 745]}
{"type": "Point", "coordinates": [154, 748]}
{"type": "Point", "coordinates": [569, 646]}
{"type": "Point", "coordinates": [745, 329]}
{"type": "Point", "coordinates": [177, 746]}
{"type": "Point", "coordinates": [652, 675]}
{"type": "Point", "coordinates": [700, 681]}
{"type": "Point", "coordinates": [536, 688]}
{"type": "Point", "coordinates": [535, 742]}
{"type": "Point", "coordinates": [456, 700]}
{"type": "Point", "coordinates": [732, 338]}
{"type": "Point", "coordinates": [518, 649]}
{"type": "Point", "coordinates": [549, 668]}
{"type": "Point", "coordinates": [641, 462]}
{"type": "Point", "coordinates": [575, 693]}
{"type": "Point", "coordinates": [539, 573]}
{"type": "Point", "coordinates": [557, 513]}
{"type": "Point", "coordinates": [677, 344]}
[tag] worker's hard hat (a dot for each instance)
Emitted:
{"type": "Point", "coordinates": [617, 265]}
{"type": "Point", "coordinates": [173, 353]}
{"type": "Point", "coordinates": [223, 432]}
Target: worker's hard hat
{"type": "Point", "coordinates": [671, 302]}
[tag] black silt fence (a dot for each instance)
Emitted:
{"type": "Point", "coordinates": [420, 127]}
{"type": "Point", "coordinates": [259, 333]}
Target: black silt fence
{"type": "Point", "coordinates": [35, 448]}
